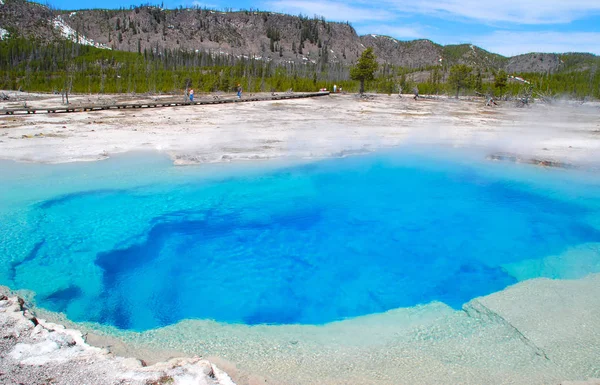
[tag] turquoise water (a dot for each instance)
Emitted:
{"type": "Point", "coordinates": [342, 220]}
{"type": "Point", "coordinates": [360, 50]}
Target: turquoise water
{"type": "Point", "coordinates": [137, 243]}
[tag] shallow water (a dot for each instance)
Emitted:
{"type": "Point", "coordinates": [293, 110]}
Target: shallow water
{"type": "Point", "coordinates": [137, 243]}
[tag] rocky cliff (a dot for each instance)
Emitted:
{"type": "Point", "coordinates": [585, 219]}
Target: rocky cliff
{"type": "Point", "coordinates": [261, 35]}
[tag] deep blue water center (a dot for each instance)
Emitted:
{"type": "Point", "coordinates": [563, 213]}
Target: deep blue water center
{"type": "Point", "coordinates": [141, 245]}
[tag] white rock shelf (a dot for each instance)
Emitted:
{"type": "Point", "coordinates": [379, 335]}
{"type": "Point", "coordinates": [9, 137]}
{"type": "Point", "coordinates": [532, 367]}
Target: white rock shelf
{"type": "Point", "coordinates": [34, 351]}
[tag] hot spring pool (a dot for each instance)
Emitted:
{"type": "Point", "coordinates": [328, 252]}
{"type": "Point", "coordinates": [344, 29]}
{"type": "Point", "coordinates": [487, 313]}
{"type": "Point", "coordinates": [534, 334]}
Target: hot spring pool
{"type": "Point", "coordinates": [137, 243]}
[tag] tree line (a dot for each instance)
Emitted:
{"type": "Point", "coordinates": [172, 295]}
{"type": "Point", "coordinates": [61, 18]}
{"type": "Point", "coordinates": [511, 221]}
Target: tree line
{"type": "Point", "coordinates": [30, 65]}
{"type": "Point", "coordinates": [464, 79]}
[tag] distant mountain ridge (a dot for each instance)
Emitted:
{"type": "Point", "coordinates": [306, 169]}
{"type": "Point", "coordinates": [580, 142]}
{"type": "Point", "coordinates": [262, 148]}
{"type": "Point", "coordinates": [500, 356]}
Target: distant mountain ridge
{"type": "Point", "coordinates": [261, 35]}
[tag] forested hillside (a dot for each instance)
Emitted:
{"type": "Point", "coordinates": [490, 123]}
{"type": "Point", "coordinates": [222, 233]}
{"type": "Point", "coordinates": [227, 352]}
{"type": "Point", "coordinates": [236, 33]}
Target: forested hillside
{"type": "Point", "coordinates": [149, 49]}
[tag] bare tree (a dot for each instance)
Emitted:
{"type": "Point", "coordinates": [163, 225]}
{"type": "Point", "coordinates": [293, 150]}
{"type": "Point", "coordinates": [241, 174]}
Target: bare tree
{"type": "Point", "coordinates": [67, 83]}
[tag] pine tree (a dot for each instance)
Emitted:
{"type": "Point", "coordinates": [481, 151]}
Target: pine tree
{"type": "Point", "coordinates": [500, 80]}
{"type": "Point", "coordinates": [478, 81]}
{"type": "Point", "coordinates": [460, 77]}
{"type": "Point", "coordinates": [365, 68]}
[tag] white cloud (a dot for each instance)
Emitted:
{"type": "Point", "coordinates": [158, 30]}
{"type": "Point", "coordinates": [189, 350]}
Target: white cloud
{"type": "Point", "coordinates": [398, 32]}
{"type": "Point", "coordinates": [512, 11]}
{"type": "Point", "coordinates": [331, 10]}
{"type": "Point", "coordinates": [201, 4]}
{"type": "Point", "coordinates": [510, 43]}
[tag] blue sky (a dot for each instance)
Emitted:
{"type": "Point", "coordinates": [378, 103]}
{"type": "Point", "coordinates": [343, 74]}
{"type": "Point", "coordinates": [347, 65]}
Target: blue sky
{"type": "Point", "coordinates": [508, 27]}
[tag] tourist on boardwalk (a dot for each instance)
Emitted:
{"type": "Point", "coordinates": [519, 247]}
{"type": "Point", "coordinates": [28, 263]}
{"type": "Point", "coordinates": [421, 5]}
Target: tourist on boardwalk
{"type": "Point", "coordinates": [239, 91]}
{"type": "Point", "coordinates": [416, 93]}
{"type": "Point", "coordinates": [191, 95]}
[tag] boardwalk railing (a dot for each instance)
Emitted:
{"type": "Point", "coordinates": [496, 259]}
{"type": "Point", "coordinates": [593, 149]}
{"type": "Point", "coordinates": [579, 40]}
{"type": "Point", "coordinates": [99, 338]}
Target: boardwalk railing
{"type": "Point", "coordinates": [155, 104]}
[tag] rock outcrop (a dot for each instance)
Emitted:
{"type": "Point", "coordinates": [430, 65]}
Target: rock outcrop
{"type": "Point", "coordinates": [33, 351]}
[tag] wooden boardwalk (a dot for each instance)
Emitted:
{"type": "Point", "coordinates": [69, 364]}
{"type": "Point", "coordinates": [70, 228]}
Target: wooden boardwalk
{"type": "Point", "coordinates": [155, 104]}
